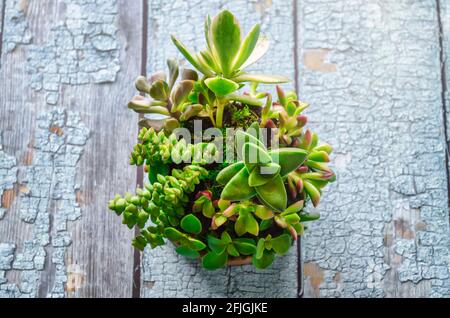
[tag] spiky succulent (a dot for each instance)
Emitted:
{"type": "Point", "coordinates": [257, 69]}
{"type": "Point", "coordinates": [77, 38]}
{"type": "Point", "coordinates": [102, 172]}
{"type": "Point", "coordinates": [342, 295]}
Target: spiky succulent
{"type": "Point", "coordinates": [223, 210]}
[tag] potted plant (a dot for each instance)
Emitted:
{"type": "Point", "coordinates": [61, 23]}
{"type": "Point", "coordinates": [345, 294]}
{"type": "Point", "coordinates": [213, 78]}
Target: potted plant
{"type": "Point", "coordinates": [230, 171]}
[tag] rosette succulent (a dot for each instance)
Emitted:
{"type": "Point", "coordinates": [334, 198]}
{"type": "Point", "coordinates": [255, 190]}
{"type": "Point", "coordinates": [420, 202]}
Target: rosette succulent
{"type": "Point", "coordinates": [237, 194]}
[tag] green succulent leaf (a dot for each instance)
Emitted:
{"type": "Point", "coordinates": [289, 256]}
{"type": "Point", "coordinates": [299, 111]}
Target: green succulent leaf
{"type": "Point", "coordinates": [260, 78]}
{"type": "Point", "coordinates": [189, 74]}
{"type": "Point", "coordinates": [231, 250]}
{"type": "Point", "coordinates": [289, 159]}
{"type": "Point", "coordinates": [180, 94]}
{"type": "Point", "coordinates": [242, 138]}
{"type": "Point", "coordinates": [260, 247]}
{"type": "Point", "coordinates": [187, 252]}
{"type": "Point", "coordinates": [264, 261]}
{"type": "Point", "coordinates": [258, 52]}
{"type": "Point", "coordinates": [208, 209]}
{"type": "Point", "coordinates": [172, 64]}
{"type": "Point", "coordinates": [213, 260]}
{"type": "Point", "coordinates": [245, 99]}
{"type": "Point", "coordinates": [191, 111]}
{"type": "Point", "coordinates": [281, 244]}
{"type": "Point", "coordinates": [263, 212]}
{"type": "Point", "coordinates": [196, 244]}
{"type": "Point", "coordinates": [273, 194]}
{"type": "Point", "coordinates": [173, 234]}
{"type": "Point", "coordinates": [265, 224]}
{"type": "Point", "coordinates": [190, 56]}
{"type": "Point", "coordinates": [293, 208]}
{"type": "Point", "coordinates": [257, 178]}
{"type": "Point", "coordinates": [191, 224]}
{"type": "Point", "coordinates": [247, 47]}
{"type": "Point", "coordinates": [216, 245]}
{"type": "Point", "coordinates": [221, 86]}
{"type": "Point", "coordinates": [246, 223]}
{"type": "Point", "coordinates": [237, 189]}
{"type": "Point", "coordinates": [306, 217]}
{"type": "Point", "coordinates": [226, 39]}
{"type": "Point", "coordinates": [312, 192]}
{"type": "Point", "coordinates": [253, 155]}
{"type": "Point", "coordinates": [229, 172]}
{"type": "Point", "coordinates": [244, 246]}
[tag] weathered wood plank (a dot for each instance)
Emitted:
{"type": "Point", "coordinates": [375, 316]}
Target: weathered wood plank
{"type": "Point", "coordinates": [66, 241]}
{"type": "Point", "coordinates": [164, 274]}
{"type": "Point", "coordinates": [372, 75]}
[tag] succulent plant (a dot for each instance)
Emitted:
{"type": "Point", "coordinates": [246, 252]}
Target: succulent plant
{"type": "Point", "coordinates": [249, 207]}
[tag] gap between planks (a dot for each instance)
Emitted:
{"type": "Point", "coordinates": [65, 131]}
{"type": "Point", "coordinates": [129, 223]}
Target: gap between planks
{"type": "Point", "coordinates": [136, 292]}
{"type": "Point", "coordinates": [443, 77]}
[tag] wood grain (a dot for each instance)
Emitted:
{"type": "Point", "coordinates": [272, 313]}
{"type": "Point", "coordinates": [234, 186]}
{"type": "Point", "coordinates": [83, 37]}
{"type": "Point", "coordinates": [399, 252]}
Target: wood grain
{"type": "Point", "coordinates": [99, 261]}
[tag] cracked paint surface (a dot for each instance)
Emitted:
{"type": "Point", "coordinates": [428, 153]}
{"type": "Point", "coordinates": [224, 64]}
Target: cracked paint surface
{"type": "Point", "coordinates": [384, 224]}
{"type": "Point", "coordinates": [15, 30]}
{"type": "Point", "coordinates": [47, 203]}
{"type": "Point", "coordinates": [8, 174]}
{"type": "Point", "coordinates": [164, 273]}
{"type": "Point", "coordinates": [82, 49]}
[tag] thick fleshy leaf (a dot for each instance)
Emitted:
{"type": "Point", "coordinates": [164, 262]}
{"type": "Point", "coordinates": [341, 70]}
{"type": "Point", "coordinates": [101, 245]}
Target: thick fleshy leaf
{"type": "Point", "coordinates": [180, 93]}
{"type": "Point", "coordinates": [246, 223]}
{"type": "Point", "coordinates": [273, 194]}
{"type": "Point", "coordinates": [190, 56]}
{"type": "Point", "coordinates": [245, 99]}
{"type": "Point", "coordinates": [260, 247]}
{"type": "Point", "coordinates": [263, 212]}
{"type": "Point", "coordinates": [281, 244]}
{"type": "Point", "coordinates": [173, 234]}
{"type": "Point", "coordinates": [213, 260]}
{"type": "Point", "coordinates": [258, 52]}
{"type": "Point", "coordinates": [187, 252]}
{"type": "Point", "coordinates": [237, 189]}
{"type": "Point", "coordinates": [265, 224]}
{"type": "Point", "coordinates": [312, 192]}
{"type": "Point", "coordinates": [288, 158]}
{"type": "Point", "coordinates": [141, 104]}
{"type": "Point", "coordinates": [189, 74]}
{"type": "Point", "coordinates": [263, 174]}
{"type": "Point", "coordinates": [241, 138]}
{"type": "Point", "coordinates": [231, 250]}
{"type": "Point", "coordinates": [229, 172]}
{"type": "Point", "coordinates": [191, 224]}
{"type": "Point", "coordinates": [293, 208]}
{"type": "Point", "coordinates": [221, 86]}
{"type": "Point", "coordinates": [174, 70]}
{"type": "Point", "coordinates": [191, 111]}
{"type": "Point", "coordinates": [142, 84]}
{"type": "Point", "coordinates": [254, 155]}
{"type": "Point", "coordinates": [225, 237]}
{"type": "Point", "coordinates": [265, 261]}
{"type": "Point", "coordinates": [196, 244]}
{"type": "Point", "coordinates": [292, 218]}
{"type": "Point", "coordinates": [216, 245]}
{"type": "Point", "coordinates": [226, 39]}
{"type": "Point", "coordinates": [306, 217]}
{"type": "Point", "coordinates": [244, 246]}
{"type": "Point", "coordinates": [260, 78]}
{"type": "Point", "coordinates": [247, 47]}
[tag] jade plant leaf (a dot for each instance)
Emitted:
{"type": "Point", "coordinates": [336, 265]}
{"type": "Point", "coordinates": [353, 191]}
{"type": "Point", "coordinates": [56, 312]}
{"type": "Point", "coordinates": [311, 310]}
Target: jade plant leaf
{"type": "Point", "coordinates": [229, 172]}
{"type": "Point", "coordinates": [261, 78]}
{"type": "Point", "coordinates": [216, 245]}
{"type": "Point", "coordinates": [247, 46]}
{"type": "Point", "coordinates": [226, 39]}
{"type": "Point", "coordinates": [245, 246]}
{"type": "Point", "coordinates": [213, 260]}
{"type": "Point", "coordinates": [257, 178]}
{"type": "Point", "coordinates": [281, 244]}
{"type": "Point", "coordinates": [260, 247]}
{"type": "Point", "coordinates": [160, 90]}
{"type": "Point", "coordinates": [237, 188]}
{"type": "Point", "coordinates": [263, 212]}
{"type": "Point", "coordinates": [253, 154]}
{"type": "Point", "coordinates": [191, 224]}
{"type": "Point", "coordinates": [264, 261]}
{"type": "Point", "coordinates": [246, 223]}
{"type": "Point", "coordinates": [195, 244]}
{"type": "Point", "coordinates": [187, 252]}
{"type": "Point", "coordinates": [231, 250]}
{"type": "Point", "coordinates": [190, 56]}
{"type": "Point", "coordinates": [221, 86]}
{"type": "Point", "coordinates": [173, 234]}
{"type": "Point", "coordinates": [273, 194]}
{"type": "Point", "coordinates": [258, 52]}
{"type": "Point", "coordinates": [242, 138]}
{"type": "Point", "coordinates": [245, 99]}
{"type": "Point", "coordinates": [180, 93]}
{"type": "Point", "coordinates": [265, 224]}
{"type": "Point", "coordinates": [289, 159]}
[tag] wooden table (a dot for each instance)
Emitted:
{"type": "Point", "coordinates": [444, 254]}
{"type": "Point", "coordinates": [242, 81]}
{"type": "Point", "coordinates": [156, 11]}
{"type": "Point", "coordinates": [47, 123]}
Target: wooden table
{"type": "Point", "coordinates": [375, 75]}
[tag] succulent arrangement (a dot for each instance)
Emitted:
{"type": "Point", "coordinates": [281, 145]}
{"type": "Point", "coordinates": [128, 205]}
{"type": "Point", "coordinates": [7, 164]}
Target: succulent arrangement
{"type": "Point", "coordinates": [240, 193]}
